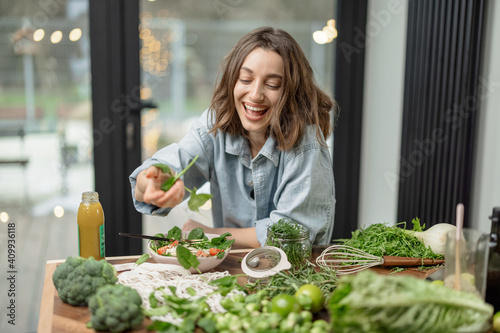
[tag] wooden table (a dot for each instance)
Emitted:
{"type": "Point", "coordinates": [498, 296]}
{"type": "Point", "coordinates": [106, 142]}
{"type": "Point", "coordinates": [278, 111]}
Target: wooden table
{"type": "Point", "coordinates": [56, 316]}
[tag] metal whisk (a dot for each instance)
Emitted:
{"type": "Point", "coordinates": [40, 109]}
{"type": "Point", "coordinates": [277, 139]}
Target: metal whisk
{"type": "Point", "coordinates": [347, 260]}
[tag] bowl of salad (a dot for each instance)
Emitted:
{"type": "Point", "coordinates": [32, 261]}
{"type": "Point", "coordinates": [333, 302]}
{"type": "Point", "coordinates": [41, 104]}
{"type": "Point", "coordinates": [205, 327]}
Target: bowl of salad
{"type": "Point", "coordinates": [196, 251]}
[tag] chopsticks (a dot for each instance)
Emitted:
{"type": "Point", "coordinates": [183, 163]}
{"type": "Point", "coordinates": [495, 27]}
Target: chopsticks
{"type": "Point", "coordinates": [157, 238]}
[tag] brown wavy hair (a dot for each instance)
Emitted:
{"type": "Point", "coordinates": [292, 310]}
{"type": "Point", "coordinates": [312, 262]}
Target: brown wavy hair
{"type": "Point", "coordinates": [302, 102]}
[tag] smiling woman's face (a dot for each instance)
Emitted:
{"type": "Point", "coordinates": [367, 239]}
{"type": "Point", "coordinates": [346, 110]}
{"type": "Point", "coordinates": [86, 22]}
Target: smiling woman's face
{"type": "Point", "coordinates": [258, 90]}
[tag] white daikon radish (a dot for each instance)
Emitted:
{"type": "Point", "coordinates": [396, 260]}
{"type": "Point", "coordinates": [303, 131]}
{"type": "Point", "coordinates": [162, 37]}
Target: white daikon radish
{"type": "Point", "coordinates": [435, 236]}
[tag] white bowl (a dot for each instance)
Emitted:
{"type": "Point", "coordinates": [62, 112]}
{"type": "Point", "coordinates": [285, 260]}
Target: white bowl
{"type": "Point", "coordinates": [206, 264]}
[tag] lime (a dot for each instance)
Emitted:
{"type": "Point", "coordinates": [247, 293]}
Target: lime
{"type": "Point", "coordinates": [284, 304]}
{"type": "Point", "coordinates": [438, 282]}
{"type": "Point", "coordinates": [496, 322]}
{"type": "Point", "coordinates": [314, 293]}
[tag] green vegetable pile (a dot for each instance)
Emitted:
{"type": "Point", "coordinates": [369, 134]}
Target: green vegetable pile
{"type": "Point", "coordinates": [115, 308]}
{"type": "Point", "coordinates": [254, 313]}
{"type": "Point", "coordinates": [292, 238]}
{"type": "Point", "coordinates": [370, 302]}
{"type": "Point", "coordinates": [195, 200]}
{"type": "Point", "coordinates": [288, 282]}
{"type": "Point", "coordinates": [77, 279]}
{"type": "Point", "coordinates": [382, 240]}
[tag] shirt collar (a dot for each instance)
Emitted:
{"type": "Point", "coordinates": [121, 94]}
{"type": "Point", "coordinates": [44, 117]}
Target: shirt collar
{"type": "Point", "coordinates": [238, 145]}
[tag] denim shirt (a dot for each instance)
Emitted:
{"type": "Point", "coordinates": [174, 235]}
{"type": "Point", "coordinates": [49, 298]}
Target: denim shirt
{"type": "Point", "coordinates": [295, 184]}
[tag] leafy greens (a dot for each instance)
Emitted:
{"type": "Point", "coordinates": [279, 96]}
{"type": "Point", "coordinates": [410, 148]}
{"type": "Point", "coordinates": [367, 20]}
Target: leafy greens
{"type": "Point", "coordinates": [196, 200]}
{"type": "Point", "coordinates": [371, 302]}
{"type": "Point", "coordinates": [382, 240]}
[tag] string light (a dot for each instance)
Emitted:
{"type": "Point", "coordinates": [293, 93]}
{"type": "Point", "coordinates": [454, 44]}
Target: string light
{"type": "Point", "coordinates": [327, 34]}
{"type": "Point", "coordinates": [58, 211]}
{"type": "Point", "coordinates": [56, 36]}
{"type": "Point", "coordinates": [4, 217]}
{"type": "Point", "coordinates": [75, 34]}
{"type": "Point", "coordinates": [38, 35]}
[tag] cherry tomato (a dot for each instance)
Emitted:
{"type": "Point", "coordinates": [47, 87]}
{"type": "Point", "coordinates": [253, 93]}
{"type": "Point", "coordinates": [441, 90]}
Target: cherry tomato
{"type": "Point", "coordinates": [213, 252]}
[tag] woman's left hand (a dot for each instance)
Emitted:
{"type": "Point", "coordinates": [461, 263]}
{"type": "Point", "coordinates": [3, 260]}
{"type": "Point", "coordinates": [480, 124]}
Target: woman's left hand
{"type": "Point", "coordinates": [190, 225]}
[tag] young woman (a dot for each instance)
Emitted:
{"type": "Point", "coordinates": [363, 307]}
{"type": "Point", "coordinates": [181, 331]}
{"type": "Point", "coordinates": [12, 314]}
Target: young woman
{"type": "Point", "coordinates": [261, 145]}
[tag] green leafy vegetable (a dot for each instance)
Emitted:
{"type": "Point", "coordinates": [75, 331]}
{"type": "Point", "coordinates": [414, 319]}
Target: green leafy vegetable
{"type": "Point", "coordinates": [239, 313]}
{"type": "Point", "coordinates": [174, 233]}
{"type": "Point", "coordinates": [292, 238]}
{"type": "Point", "coordinates": [371, 302]}
{"type": "Point", "coordinates": [170, 181]}
{"type": "Point", "coordinates": [226, 284]}
{"type": "Point", "coordinates": [222, 242]}
{"type": "Point", "coordinates": [196, 233]}
{"type": "Point", "coordinates": [289, 282]}
{"type": "Point", "coordinates": [416, 225]}
{"type": "Point", "coordinates": [382, 240]}
{"type": "Point", "coordinates": [186, 258]}
{"type": "Point", "coordinates": [142, 259]}
{"type": "Point", "coordinates": [163, 167]}
{"type": "Point", "coordinates": [196, 200]}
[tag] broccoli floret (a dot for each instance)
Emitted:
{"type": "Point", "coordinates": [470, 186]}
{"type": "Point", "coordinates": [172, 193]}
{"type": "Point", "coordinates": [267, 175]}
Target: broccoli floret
{"type": "Point", "coordinates": [78, 278]}
{"type": "Point", "coordinates": [115, 308]}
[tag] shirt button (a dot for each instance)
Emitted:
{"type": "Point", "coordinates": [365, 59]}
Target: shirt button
{"type": "Point", "coordinates": [250, 183]}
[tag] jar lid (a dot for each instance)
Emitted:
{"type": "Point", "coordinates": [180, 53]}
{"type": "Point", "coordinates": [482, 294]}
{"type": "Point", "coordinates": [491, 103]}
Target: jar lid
{"type": "Point", "coordinates": [265, 261]}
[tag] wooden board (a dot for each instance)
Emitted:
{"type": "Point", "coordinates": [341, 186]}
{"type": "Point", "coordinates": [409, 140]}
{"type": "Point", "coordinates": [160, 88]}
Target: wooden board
{"type": "Point", "coordinates": [58, 317]}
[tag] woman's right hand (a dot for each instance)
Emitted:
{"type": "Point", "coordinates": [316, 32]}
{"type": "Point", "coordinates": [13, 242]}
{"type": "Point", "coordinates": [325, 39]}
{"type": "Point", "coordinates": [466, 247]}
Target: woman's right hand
{"type": "Point", "coordinates": [148, 188]}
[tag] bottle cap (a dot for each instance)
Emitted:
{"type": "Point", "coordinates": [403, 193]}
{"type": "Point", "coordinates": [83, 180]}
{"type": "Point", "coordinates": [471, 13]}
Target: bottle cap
{"type": "Point", "coordinates": [496, 214]}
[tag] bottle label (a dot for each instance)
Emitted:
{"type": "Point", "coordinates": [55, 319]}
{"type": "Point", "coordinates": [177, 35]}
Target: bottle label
{"type": "Point", "coordinates": [79, 248]}
{"type": "Point", "coordinates": [101, 240]}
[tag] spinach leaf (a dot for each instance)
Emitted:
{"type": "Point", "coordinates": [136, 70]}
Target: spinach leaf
{"type": "Point", "coordinates": [163, 167]}
{"type": "Point", "coordinates": [170, 181]}
{"type": "Point", "coordinates": [196, 233]}
{"type": "Point", "coordinates": [196, 200]}
{"type": "Point", "coordinates": [186, 258]}
{"type": "Point", "coordinates": [159, 243]}
{"type": "Point", "coordinates": [174, 233]}
{"type": "Point", "coordinates": [217, 241]}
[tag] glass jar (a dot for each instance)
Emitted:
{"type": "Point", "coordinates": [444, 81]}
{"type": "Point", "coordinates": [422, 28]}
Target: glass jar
{"type": "Point", "coordinates": [296, 243]}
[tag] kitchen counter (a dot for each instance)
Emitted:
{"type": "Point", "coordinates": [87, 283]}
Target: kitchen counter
{"type": "Point", "coordinates": [56, 316]}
